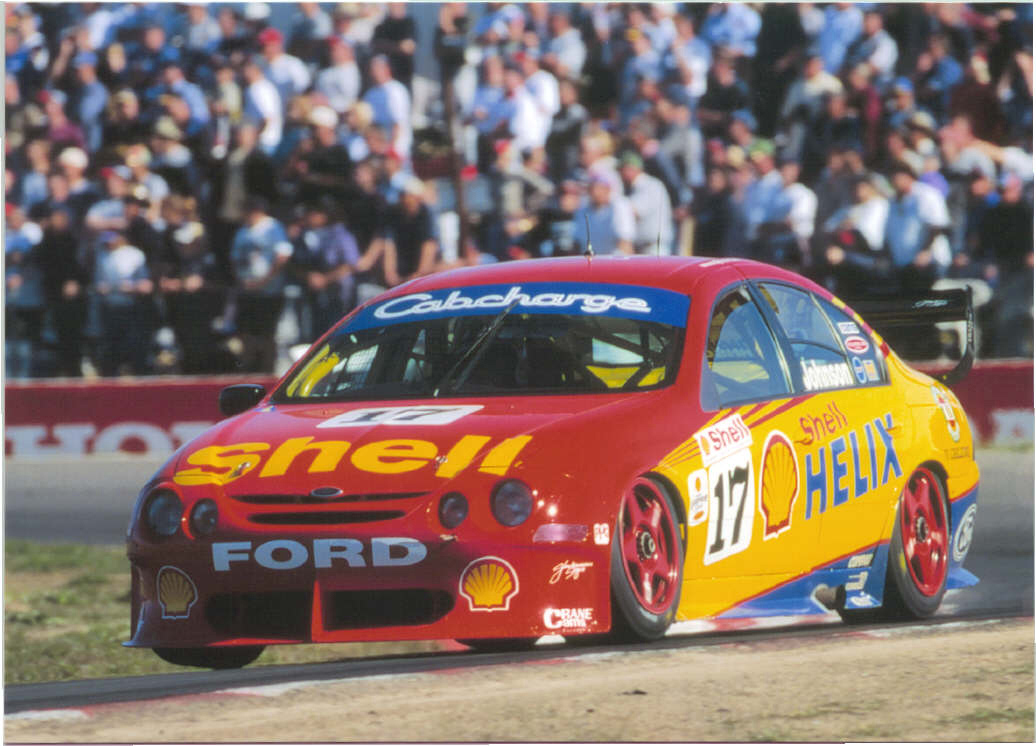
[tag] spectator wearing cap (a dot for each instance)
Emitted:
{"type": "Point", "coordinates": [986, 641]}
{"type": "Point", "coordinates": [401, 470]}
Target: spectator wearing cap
{"type": "Point", "coordinates": [733, 26]}
{"type": "Point", "coordinates": [875, 48]}
{"type": "Point", "coordinates": [566, 52]}
{"type": "Point", "coordinates": [340, 82]}
{"type": "Point", "coordinates": [843, 24]}
{"type": "Point", "coordinates": [287, 72]}
{"type": "Point", "coordinates": [189, 281]}
{"type": "Point", "coordinates": [805, 101]}
{"type": "Point", "coordinates": [396, 38]}
{"type": "Point", "coordinates": [411, 247]}
{"type": "Point", "coordinates": [651, 205]}
{"type": "Point", "coordinates": [262, 104]}
{"type": "Point", "coordinates": [64, 288]}
{"type": "Point", "coordinates": [612, 225]}
{"type": "Point", "coordinates": [390, 102]}
{"type": "Point", "coordinates": [23, 297]}
{"type": "Point", "coordinates": [326, 166]}
{"type": "Point", "coordinates": [915, 232]}
{"type": "Point", "coordinates": [325, 254]}
{"type": "Point", "coordinates": [91, 99]}
{"type": "Point", "coordinates": [762, 193]}
{"type": "Point", "coordinates": [123, 286]}
{"type": "Point", "coordinates": [258, 255]}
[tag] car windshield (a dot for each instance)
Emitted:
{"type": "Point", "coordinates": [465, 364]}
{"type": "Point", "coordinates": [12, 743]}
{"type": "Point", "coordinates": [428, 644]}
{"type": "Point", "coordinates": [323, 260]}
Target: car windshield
{"type": "Point", "coordinates": [532, 338]}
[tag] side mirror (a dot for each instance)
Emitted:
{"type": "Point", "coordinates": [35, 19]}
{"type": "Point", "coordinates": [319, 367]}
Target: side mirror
{"type": "Point", "coordinates": [240, 397]}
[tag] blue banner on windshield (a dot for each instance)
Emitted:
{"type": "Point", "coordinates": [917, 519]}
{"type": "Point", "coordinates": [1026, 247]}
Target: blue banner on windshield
{"type": "Point", "coordinates": [578, 298]}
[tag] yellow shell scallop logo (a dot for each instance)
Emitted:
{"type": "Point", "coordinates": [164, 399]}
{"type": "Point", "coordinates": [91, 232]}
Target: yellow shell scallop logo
{"type": "Point", "coordinates": [778, 484]}
{"type": "Point", "coordinates": [176, 593]}
{"type": "Point", "coordinates": [489, 584]}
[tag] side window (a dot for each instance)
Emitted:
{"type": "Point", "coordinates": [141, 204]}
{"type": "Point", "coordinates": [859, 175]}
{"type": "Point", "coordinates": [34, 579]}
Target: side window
{"type": "Point", "coordinates": [741, 358]}
{"type": "Point", "coordinates": [864, 356]}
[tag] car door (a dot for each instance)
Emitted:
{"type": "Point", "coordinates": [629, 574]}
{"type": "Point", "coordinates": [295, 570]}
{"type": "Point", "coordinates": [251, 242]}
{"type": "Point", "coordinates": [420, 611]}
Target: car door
{"type": "Point", "coordinates": [845, 432]}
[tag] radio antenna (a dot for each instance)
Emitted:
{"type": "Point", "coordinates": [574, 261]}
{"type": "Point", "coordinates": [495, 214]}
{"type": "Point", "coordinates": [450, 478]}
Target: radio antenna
{"type": "Point", "coordinates": [589, 253]}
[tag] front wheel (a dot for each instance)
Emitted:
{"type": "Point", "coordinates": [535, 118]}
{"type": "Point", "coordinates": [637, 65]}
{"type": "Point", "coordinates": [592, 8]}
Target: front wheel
{"type": "Point", "coordinates": [647, 563]}
{"type": "Point", "coordinates": [218, 658]}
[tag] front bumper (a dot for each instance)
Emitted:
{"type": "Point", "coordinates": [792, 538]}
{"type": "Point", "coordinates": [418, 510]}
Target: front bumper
{"type": "Point", "coordinates": [356, 586]}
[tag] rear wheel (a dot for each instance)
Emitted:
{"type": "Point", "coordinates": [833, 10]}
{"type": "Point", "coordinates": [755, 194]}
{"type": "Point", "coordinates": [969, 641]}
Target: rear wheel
{"type": "Point", "coordinates": [919, 553]}
{"type": "Point", "coordinates": [219, 658]}
{"type": "Point", "coordinates": [647, 563]}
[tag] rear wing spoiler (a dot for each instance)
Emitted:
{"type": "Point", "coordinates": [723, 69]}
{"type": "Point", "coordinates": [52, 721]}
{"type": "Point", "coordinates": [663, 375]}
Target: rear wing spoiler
{"type": "Point", "coordinates": [936, 306]}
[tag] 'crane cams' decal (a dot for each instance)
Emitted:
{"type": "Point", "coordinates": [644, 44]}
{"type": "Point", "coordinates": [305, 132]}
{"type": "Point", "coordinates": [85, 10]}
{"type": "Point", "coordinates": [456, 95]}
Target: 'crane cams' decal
{"type": "Point", "coordinates": [727, 456]}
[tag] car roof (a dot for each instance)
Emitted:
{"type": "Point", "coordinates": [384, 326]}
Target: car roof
{"type": "Point", "coordinates": [677, 273]}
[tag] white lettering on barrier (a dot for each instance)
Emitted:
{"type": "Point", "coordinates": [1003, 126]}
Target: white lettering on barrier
{"type": "Point", "coordinates": [154, 438]}
{"type": "Point", "coordinates": [80, 439]}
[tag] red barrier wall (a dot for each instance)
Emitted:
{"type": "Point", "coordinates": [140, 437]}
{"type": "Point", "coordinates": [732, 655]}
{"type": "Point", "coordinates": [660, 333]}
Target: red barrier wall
{"type": "Point", "coordinates": [157, 415]}
{"type": "Point", "coordinates": [70, 418]}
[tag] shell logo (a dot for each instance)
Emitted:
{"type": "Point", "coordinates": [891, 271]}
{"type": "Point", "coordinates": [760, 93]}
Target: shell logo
{"type": "Point", "coordinates": [489, 584]}
{"type": "Point", "coordinates": [778, 484]}
{"type": "Point", "coordinates": [176, 593]}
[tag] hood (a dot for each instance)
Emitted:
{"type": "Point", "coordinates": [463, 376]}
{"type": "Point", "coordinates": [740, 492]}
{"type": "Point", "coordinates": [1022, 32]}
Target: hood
{"type": "Point", "coordinates": [390, 447]}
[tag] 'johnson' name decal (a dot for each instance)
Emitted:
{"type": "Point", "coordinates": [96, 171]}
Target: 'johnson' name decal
{"type": "Point", "coordinates": [621, 301]}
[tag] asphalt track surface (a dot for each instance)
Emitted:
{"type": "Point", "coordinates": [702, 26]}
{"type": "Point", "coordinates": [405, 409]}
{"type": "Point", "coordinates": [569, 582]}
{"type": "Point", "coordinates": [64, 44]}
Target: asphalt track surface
{"type": "Point", "coordinates": [90, 500]}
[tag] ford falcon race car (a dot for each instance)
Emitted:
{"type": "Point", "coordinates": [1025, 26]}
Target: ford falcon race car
{"type": "Point", "coordinates": [572, 446]}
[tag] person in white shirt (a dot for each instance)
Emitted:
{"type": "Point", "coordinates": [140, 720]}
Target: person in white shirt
{"type": "Point", "coordinates": [652, 208]}
{"type": "Point", "coordinates": [543, 87]}
{"type": "Point", "coordinates": [566, 52]}
{"type": "Point", "coordinates": [390, 102]}
{"type": "Point", "coordinates": [915, 233]}
{"type": "Point", "coordinates": [289, 74]}
{"type": "Point", "coordinates": [340, 82]}
{"type": "Point", "coordinates": [263, 105]}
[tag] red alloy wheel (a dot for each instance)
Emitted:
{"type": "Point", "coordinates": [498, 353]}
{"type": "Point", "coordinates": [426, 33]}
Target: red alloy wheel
{"type": "Point", "coordinates": [650, 546]}
{"type": "Point", "coordinates": [924, 531]}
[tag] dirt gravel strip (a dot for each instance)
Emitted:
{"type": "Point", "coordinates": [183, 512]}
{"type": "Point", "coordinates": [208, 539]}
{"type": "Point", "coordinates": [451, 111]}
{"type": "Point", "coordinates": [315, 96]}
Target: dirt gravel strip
{"type": "Point", "coordinates": [963, 681]}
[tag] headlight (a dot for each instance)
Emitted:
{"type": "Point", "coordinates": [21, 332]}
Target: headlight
{"type": "Point", "coordinates": [453, 509]}
{"type": "Point", "coordinates": [204, 517]}
{"type": "Point", "coordinates": [511, 502]}
{"type": "Point", "coordinates": [163, 513]}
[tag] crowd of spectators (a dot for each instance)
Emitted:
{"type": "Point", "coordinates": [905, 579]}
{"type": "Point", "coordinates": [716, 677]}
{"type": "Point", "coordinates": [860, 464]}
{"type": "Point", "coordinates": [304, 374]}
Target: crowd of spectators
{"type": "Point", "coordinates": [191, 189]}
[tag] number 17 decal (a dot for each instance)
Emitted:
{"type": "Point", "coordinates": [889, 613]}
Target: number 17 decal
{"type": "Point", "coordinates": [731, 506]}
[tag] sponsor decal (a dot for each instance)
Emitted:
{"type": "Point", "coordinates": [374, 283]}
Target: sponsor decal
{"type": "Point", "coordinates": [568, 618]}
{"type": "Point", "coordinates": [698, 492]}
{"type": "Point", "coordinates": [825, 376]}
{"type": "Point", "coordinates": [621, 301]}
{"type": "Point", "coordinates": [858, 370]}
{"type": "Point", "coordinates": [857, 344]}
{"type": "Point", "coordinates": [850, 464]}
{"type": "Point", "coordinates": [732, 509]}
{"type": "Point", "coordinates": [425, 415]}
{"type": "Point", "coordinates": [957, 452]}
{"type": "Point", "coordinates": [602, 534]}
{"type": "Point", "coordinates": [964, 534]}
{"type": "Point", "coordinates": [288, 554]}
{"type": "Point", "coordinates": [861, 560]}
{"type": "Point", "coordinates": [727, 436]}
{"type": "Point", "coordinates": [943, 402]}
{"type": "Point", "coordinates": [568, 570]}
{"type": "Point", "coordinates": [848, 327]}
{"type": "Point", "coordinates": [219, 465]}
{"type": "Point", "coordinates": [871, 370]}
{"type": "Point", "coordinates": [489, 584]}
{"type": "Point", "coordinates": [176, 592]}
{"type": "Point", "coordinates": [817, 427]}
{"type": "Point", "coordinates": [778, 484]}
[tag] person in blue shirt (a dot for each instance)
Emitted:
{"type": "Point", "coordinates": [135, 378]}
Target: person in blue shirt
{"type": "Point", "coordinates": [123, 285]}
{"type": "Point", "coordinates": [939, 73]}
{"type": "Point", "coordinates": [91, 100]}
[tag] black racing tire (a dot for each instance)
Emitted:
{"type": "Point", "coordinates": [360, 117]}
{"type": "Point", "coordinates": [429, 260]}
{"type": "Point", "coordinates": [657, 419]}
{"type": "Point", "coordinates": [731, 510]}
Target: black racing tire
{"type": "Point", "coordinates": [646, 563]}
{"type": "Point", "coordinates": [217, 658]}
{"type": "Point", "coordinates": [500, 644]}
{"type": "Point", "coordinates": [915, 581]}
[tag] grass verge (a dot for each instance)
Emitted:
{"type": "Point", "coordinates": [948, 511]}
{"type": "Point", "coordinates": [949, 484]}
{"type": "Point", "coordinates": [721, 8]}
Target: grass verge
{"type": "Point", "coordinates": [66, 614]}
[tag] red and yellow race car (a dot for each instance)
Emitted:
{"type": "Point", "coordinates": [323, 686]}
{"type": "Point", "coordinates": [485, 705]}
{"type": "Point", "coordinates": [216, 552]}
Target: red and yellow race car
{"type": "Point", "coordinates": [572, 446]}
